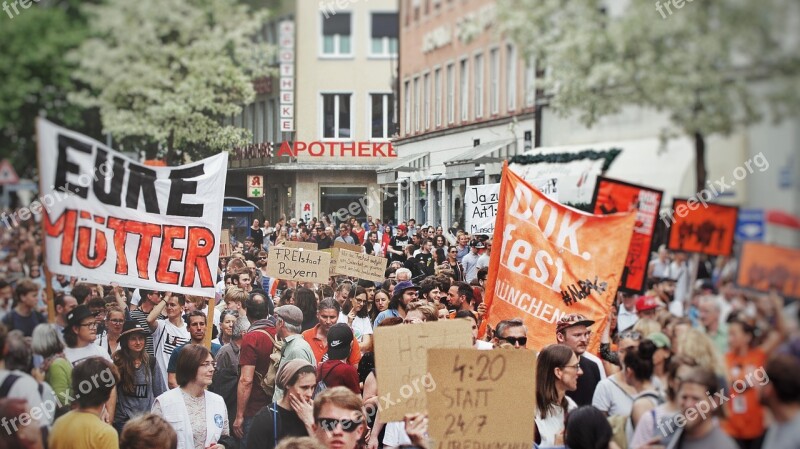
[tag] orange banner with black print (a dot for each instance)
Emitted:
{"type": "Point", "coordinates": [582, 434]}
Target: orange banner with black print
{"type": "Point", "coordinates": [550, 260]}
{"type": "Point", "coordinates": [765, 267]}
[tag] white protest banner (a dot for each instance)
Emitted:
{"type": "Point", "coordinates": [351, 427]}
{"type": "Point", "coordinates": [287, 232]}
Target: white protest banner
{"type": "Point", "coordinates": [111, 219]}
{"type": "Point", "coordinates": [481, 208]}
{"type": "Point", "coordinates": [298, 264]}
{"type": "Point", "coordinates": [548, 186]}
{"type": "Point", "coordinates": [361, 266]}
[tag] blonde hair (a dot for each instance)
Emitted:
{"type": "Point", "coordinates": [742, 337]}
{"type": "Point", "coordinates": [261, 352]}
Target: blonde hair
{"type": "Point", "coordinates": [699, 346]}
{"type": "Point", "coordinates": [235, 294]}
{"type": "Point", "coordinates": [148, 431]}
{"type": "Point", "coordinates": [429, 312]}
{"type": "Point", "coordinates": [647, 327]}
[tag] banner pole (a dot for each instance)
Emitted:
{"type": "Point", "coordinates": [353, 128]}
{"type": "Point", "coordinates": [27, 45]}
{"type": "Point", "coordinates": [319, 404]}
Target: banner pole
{"type": "Point", "coordinates": [48, 277]}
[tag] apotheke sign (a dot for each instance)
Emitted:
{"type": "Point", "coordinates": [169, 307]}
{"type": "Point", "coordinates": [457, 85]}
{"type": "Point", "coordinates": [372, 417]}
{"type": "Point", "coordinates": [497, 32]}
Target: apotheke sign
{"type": "Point", "coordinates": [337, 149]}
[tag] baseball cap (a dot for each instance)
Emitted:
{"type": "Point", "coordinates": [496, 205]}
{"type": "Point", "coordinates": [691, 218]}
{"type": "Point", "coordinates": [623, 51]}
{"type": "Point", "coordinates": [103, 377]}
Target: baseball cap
{"type": "Point", "coordinates": [402, 227]}
{"type": "Point", "coordinates": [339, 339]}
{"type": "Point", "coordinates": [291, 314]}
{"type": "Point", "coordinates": [475, 243]}
{"type": "Point", "coordinates": [644, 303]}
{"type": "Point", "coordinates": [573, 319]}
{"type": "Point", "coordinates": [660, 340]}
{"type": "Point", "coordinates": [78, 314]}
{"type": "Point", "coordinates": [403, 286]}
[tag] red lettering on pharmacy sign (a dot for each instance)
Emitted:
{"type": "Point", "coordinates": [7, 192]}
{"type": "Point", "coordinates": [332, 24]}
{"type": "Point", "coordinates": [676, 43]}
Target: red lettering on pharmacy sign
{"type": "Point", "coordinates": [338, 149]}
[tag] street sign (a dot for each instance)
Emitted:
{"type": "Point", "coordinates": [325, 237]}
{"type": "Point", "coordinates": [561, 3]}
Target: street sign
{"type": "Point", "coordinates": [7, 173]}
{"type": "Point", "coordinates": [751, 225]}
{"type": "Point", "coordinates": [255, 186]}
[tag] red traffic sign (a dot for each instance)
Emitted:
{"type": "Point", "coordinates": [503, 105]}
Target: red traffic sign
{"type": "Point", "coordinates": [7, 173]}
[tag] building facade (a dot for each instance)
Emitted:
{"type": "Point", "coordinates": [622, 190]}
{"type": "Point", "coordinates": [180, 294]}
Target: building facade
{"type": "Point", "coordinates": [466, 104]}
{"type": "Point", "coordinates": [325, 126]}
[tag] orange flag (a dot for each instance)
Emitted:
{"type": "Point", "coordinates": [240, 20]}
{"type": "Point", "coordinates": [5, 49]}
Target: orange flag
{"type": "Point", "coordinates": [549, 260]}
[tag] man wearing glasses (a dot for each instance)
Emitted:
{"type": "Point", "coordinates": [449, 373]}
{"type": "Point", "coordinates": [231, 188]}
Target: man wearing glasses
{"type": "Point", "coordinates": [344, 235]}
{"type": "Point", "coordinates": [573, 330]}
{"type": "Point", "coordinates": [513, 332]}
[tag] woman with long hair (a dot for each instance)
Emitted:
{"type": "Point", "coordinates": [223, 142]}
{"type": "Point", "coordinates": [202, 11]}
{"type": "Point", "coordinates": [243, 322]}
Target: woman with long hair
{"type": "Point", "coordinates": [306, 301]}
{"type": "Point", "coordinates": [557, 371]}
{"type": "Point", "coordinates": [440, 242]}
{"type": "Point", "coordinates": [357, 314]}
{"type": "Point", "coordinates": [136, 389]}
{"type": "Point", "coordinates": [440, 260]}
{"type": "Point", "coordinates": [455, 265]}
{"type": "Point", "coordinates": [381, 302]}
{"type": "Point", "coordinates": [287, 297]}
{"type": "Point", "coordinates": [198, 416]}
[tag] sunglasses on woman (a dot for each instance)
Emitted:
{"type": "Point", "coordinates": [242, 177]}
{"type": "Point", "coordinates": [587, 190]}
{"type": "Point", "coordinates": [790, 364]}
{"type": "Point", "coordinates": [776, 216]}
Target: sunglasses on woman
{"type": "Point", "coordinates": [348, 425]}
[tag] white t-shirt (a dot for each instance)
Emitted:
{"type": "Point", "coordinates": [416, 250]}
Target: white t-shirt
{"type": "Point", "coordinates": [483, 345]}
{"type": "Point", "coordinates": [361, 326]}
{"type": "Point", "coordinates": [551, 427]}
{"type": "Point", "coordinates": [77, 355]}
{"type": "Point", "coordinates": [166, 338]}
{"type": "Point", "coordinates": [26, 387]}
{"type": "Point", "coordinates": [395, 435]}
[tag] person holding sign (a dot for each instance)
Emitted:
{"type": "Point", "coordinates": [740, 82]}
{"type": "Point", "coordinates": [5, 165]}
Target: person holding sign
{"type": "Point", "coordinates": [557, 372]}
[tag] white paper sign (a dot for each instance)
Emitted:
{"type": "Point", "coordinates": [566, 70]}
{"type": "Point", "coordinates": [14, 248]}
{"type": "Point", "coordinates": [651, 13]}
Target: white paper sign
{"type": "Point", "coordinates": [111, 219]}
{"type": "Point", "coordinates": [480, 205]}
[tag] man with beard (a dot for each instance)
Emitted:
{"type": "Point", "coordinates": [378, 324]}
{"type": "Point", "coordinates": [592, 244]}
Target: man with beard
{"type": "Point", "coordinates": [397, 245]}
{"type": "Point", "coordinates": [324, 240]}
{"type": "Point", "coordinates": [664, 289]}
{"type": "Point", "coordinates": [573, 330]}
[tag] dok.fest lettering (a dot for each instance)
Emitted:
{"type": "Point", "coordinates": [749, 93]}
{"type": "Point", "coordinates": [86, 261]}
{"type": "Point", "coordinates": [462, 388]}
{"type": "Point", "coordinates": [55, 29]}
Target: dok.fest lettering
{"type": "Point", "coordinates": [138, 226]}
{"type": "Point", "coordinates": [337, 149]}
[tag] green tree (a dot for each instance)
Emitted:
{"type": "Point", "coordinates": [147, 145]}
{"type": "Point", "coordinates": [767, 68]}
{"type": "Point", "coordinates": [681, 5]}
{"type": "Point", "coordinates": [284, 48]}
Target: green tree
{"type": "Point", "coordinates": [712, 65]}
{"type": "Point", "coordinates": [35, 78]}
{"type": "Point", "coordinates": [166, 73]}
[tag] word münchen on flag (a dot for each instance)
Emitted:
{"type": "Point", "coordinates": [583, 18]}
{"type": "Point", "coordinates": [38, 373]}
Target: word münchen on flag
{"type": "Point", "coordinates": [113, 219]}
{"type": "Point", "coordinates": [550, 260]}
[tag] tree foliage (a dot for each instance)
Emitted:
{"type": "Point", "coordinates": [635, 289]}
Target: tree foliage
{"type": "Point", "coordinates": [165, 73]}
{"type": "Point", "coordinates": [712, 65]}
{"type": "Point", "coordinates": [36, 78]}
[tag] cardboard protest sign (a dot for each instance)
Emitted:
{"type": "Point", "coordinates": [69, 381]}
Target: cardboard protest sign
{"type": "Point", "coordinates": [481, 204]}
{"type": "Point", "coordinates": [481, 208]}
{"type": "Point", "coordinates": [334, 252]}
{"type": "Point", "coordinates": [612, 196]}
{"type": "Point", "coordinates": [305, 245]}
{"type": "Point", "coordinates": [297, 264]}
{"type": "Point", "coordinates": [474, 390]}
{"type": "Point", "coordinates": [108, 218]}
{"type": "Point", "coordinates": [347, 246]}
{"type": "Point", "coordinates": [361, 266]}
{"type": "Point", "coordinates": [763, 267]}
{"type": "Point", "coordinates": [550, 260]}
{"type": "Point", "coordinates": [401, 361]}
{"type": "Point", "coordinates": [702, 228]}
{"type": "Point", "coordinates": [225, 244]}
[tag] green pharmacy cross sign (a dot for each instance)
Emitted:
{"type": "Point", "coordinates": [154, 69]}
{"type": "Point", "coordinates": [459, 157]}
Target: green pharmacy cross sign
{"type": "Point", "coordinates": [255, 186]}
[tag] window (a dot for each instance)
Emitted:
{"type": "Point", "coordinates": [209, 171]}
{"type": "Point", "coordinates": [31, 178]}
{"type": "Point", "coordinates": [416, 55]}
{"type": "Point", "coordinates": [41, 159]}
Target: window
{"type": "Point", "coordinates": [494, 82]}
{"type": "Point", "coordinates": [427, 102]}
{"type": "Point", "coordinates": [407, 106]}
{"type": "Point", "coordinates": [511, 78]}
{"type": "Point", "coordinates": [530, 82]}
{"type": "Point", "coordinates": [336, 34]}
{"type": "Point", "coordinates": [417, 105]}
{"type": "Point", "coordinates": [384, 34]}
{"type": "Point", "coordinates": [380, 116]}
{"type": "Point", "coordinates": [464, 80]}
{"type": "Point", "coordinates": [451, 93]}
{"type": "Point", "coordinates": [261, 122]}
{"type": "Point", "coordinates": [337, 120]}
{"type": "Point", "coordinates": [437, 95]}
{"type": "Point", "coordinates": [478, 83]}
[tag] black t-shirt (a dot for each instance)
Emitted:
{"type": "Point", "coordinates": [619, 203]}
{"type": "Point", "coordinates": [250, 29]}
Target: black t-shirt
{"type": "Point", "coordinates": [425, 262]}
{"type": "Point", "coordinates": [399, 244]}
{"type": "Point", "coordinates": [587, 383]}
{"type": "Point", "coordinates": [324, 242]}
{"type": "Point", "coordinates": [262, 435]}
{"type": "Point", "coordinates": [258, 237]}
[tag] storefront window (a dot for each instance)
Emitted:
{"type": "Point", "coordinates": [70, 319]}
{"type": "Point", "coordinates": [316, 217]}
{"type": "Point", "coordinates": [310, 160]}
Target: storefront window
{"type": "Point", "coordinates": [343, 202]}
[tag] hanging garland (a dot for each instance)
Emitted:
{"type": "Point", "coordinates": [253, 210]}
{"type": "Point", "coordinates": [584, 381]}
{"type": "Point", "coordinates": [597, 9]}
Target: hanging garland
{"type": "Point", "coordinates": [563, 158]}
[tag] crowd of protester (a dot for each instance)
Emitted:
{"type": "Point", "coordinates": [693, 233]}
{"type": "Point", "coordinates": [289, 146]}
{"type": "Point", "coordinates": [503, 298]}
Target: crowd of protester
{"type": "Point", "coordinates": [693, 362]}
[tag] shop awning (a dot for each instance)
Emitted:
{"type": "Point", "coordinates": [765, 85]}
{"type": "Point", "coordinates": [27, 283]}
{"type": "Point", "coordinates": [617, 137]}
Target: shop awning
{"type": "Point", "coordinates": [481, 153]}
{"type": "Point", "coordinates": [388, 174]}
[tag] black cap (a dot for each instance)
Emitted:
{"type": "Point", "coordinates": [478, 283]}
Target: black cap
{"type": "Point", "coordinates": [340, 336]}
{"type": "Point", "coordinates": [78, 314]}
